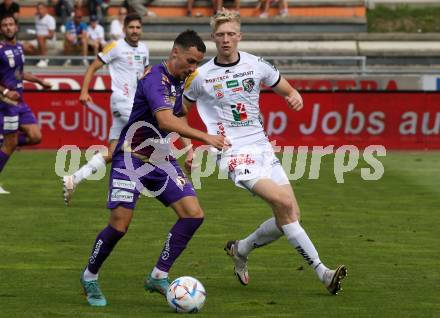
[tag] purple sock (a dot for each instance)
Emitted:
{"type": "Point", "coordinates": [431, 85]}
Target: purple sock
{"type": "Point", "coordinates": [22, 139]}
{"type": "Point", "coordinates": [104, 244]}
{"type": "Point", "coordinates": [3, 159]}
{"type": "Point", "coordinates": [176, 242]}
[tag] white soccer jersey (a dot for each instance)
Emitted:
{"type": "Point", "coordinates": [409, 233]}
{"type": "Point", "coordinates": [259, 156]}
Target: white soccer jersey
{"type": "Point", "coordinates": [126, 65]}
{"type": "Point", "coordinates": [227, 97]}
{"type": "Point", "coordinates": [96, 33]}
{"type": "Point", "coordinates": [44, 25]}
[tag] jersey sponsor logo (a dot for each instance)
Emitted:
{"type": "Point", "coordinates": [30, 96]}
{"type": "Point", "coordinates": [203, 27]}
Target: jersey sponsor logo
{"type": "Point", "coordinates": [231, 84]}
{"type": "Point", "coordinates": [248, 84]}
{"type": "Point", "coordinates": [219, 94]}
{"type": "Point", "coordinates": [239, 112]}
{"type": "Point", "coordinates": [166, 249]}
{"type": "Point", "coordinates": [96, 250]}
{"type": "Point", "coordinates": [119, 195]}
{"type": "Point", "coordinates": [124, 184]}
{"type": "Point", "coordinates": [217, 79]}
{"type": "Point", "coordinates": [248, 73]}
{"type": "Point", "coordinates": [237, 89]}
{"type": "Point", "coordinates": [221, 129]}
{"type": "Point", "coordinates": [244, 172]}
{"type": "Point", "coordinates": [241, 159]}
{"type": "Point", "coordinates": [245, 123]}
{"type": "Point", "coordinates": [218, 90]}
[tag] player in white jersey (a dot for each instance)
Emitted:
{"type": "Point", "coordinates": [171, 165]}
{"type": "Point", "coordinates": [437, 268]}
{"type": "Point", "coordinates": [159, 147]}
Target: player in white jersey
{"type": "Point", "coordinates": [227, 90]}
{"type": "Point", "coordinates": [127, 60]}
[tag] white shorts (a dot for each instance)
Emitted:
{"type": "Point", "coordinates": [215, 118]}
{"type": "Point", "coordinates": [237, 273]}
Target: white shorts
{"type": "Point", "coordinates": [251, 164]}
{"type": "Point", "coordinates": [50, 44]}
{"type": "Point", "coordinates": [121, 109]}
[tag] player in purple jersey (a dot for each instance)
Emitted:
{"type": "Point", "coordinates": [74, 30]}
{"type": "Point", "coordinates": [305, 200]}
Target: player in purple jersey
{"type": "Point", "coordinates": [15, 114]}
{"type": "Point", "coordinates": [143, 161]}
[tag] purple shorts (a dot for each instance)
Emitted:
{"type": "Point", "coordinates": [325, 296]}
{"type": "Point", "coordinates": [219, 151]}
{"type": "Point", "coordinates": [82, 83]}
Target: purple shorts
{"type": "Point", "coordinates": [26, 116]}
{"type": "Point", "coordinates": [166, 182]}
{"type": "Point", "coordinates": [11, 117]}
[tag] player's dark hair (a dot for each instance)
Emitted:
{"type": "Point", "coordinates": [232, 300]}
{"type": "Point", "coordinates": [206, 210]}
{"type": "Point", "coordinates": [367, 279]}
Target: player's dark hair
{"type": "Point", "coordinates": [8, 15]}
{"type": "Point", "coordinates": [190, 38]}
{"type": "Point", "coordinates": [132, 17]}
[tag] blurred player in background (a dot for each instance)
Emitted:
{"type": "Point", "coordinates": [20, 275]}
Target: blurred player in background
{"type": "Point", "coordinates": [15, 114]}
{"type": "Point", "coordinates": [143, 161]}
{"type": "Point", "coordinates": [227, 91]}
{"type": "Point", "coordinates": [127, 59]}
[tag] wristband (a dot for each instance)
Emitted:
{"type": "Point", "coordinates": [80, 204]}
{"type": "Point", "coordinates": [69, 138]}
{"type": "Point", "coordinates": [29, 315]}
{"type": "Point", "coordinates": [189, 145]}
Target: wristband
{"type": "Point", "coordinates": [5, 91]}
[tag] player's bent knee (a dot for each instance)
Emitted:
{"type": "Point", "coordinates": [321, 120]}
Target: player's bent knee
{"type": "Point", "coordinates": [9, 145]}
{"type": "Point", "coordinates": [284, 204]}
{"type": "Point", "coordinates": [194, 212]}
{"type": "Point", "coordinates": [35, 139]}
{"type": "Point", "coordinates": [120, 218]}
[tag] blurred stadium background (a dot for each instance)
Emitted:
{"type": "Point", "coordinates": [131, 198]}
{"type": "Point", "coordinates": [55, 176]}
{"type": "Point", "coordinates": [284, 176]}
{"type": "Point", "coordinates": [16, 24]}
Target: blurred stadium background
{"type": "Point", "coordinates": [322, 46]}
{"type": "Point", "coordinates": [369, 72]}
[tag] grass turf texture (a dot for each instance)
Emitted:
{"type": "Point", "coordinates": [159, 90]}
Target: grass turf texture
{"type": "Point", "coordinates": [404, 18]}
{"type": "Point", "coordinates": [386, 232]}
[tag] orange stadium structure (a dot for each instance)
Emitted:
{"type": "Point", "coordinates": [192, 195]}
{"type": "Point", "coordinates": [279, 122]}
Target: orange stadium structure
{"type": "Point", "coordinates": [303, 9]}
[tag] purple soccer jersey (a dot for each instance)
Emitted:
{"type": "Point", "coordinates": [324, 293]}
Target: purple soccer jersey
{"type": "Point", "coordinates": [11, 77]}
{"type": "Point", "coordinates": [158, 90]}
{"type": "Point", "coordinates": [11, 66]}
{"type": "Point", "coordinates": [161, 175]}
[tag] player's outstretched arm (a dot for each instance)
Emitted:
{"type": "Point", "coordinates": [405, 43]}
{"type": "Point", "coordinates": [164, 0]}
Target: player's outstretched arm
{"type": "Point", "coordinates": [32, 78]}
{"type": "Point", "coordinates": [168, 122]}
{"type": "Point", "coordinates": [91, 70]}
{"type": "Point", "coordinates": [291, 95]}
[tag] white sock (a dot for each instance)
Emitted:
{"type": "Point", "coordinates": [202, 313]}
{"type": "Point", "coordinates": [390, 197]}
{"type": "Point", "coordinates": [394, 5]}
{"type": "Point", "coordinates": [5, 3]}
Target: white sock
{"type": "Point", "coordinates": [88, 275]}
{"type": "Point", "coordinates": [300, 240]}
{"type": "Point", "coordinates": [266, 233]}
{"type": "Point", "coordinates": [157, 273]}
{"type": "Point", "coordinates": [97, 162]}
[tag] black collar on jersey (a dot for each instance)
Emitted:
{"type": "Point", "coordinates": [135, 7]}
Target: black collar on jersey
{"type": "Point", "coordinates": [229, 64]}
{"type": "Point", "coordinates": [129, 43]}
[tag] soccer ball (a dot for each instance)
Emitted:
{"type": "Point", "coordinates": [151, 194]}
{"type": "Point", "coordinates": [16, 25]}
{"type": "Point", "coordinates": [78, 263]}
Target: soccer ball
{"type": "Point", "coordinates": [186, 294]}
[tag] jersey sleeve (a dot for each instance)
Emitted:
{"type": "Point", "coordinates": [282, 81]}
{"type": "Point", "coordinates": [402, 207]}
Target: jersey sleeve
{"type": "Point", "coordinates": [158, 93]}
{"type": "Point", "coordinates": [192, 87]}
{"type": "Point", "coordinates": [270, 74]}
{"type": "Point", "coordinates": [109, 52]}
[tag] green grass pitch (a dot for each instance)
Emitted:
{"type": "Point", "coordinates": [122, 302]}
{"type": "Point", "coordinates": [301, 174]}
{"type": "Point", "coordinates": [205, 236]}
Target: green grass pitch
{"type": "Point", "coordinates": [387, 232]}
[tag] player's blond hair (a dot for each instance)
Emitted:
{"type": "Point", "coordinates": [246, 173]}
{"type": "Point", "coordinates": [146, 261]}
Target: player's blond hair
{"type": "Point", "coordinates": [224, 16]}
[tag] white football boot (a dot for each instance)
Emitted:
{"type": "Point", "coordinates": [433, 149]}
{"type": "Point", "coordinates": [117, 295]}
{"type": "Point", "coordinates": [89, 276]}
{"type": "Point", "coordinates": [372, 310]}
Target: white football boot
{"type": "Point", "coordinates": [240, 262]}
{"type": "Point", "coordinates": [3, 191]}
{"type": "Point", "coordinates": [332, 279]}
{"type": "Point", "coordinates": [68, 189]}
